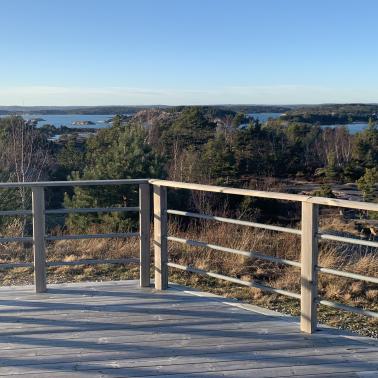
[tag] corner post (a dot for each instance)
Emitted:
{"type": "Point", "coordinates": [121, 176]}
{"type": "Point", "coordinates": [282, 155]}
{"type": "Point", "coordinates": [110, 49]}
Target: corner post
{"type": "Point", "coordinates": [160, 237]}
{"type": "Point", "coordinates": [309, 260]}
{"type": "Point", "coordinates": [144, 231]}
{"type": "Point", "coordinates": [38, 210]}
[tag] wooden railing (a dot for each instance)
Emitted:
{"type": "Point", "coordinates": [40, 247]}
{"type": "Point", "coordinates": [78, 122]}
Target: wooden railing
{"type": "Point", "coordinates": [39, 237]}
{"type": "Point", "coordinates": [309, 234]}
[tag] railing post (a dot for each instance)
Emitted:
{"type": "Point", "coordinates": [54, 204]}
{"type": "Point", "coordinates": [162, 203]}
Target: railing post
{"type": "Point", "coordinates": [309, 259]}
{"type": "Point", "coordinates": [144, 230]}
{"type": "Point", "coordinates": [160, 237]}
{"type": "Point", "coordinates": [38, 209]}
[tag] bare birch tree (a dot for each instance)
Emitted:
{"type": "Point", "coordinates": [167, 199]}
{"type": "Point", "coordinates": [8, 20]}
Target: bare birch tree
{"type": "Point", "coordinates": [24, 157]}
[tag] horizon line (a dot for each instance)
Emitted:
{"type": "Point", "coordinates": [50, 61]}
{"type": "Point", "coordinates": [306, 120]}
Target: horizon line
{"type": "Point", "coordinates": [178, 105]}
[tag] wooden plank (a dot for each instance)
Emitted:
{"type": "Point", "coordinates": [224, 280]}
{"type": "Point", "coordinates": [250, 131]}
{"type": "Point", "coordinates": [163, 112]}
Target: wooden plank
{"type": "Point", "coordinates": [88, 301]}
{"type": "Point", "coordinates": [277, 343]}
{"type": "Point", "coordinates": [93, 338]}
{"type": "Point", "coordinates": [105, 373]}
{"type": "Point", "coordinates": [91, 342]}
{"type": "Point", "coordinates": [309, 256]}
{"type": "Point", "coordinates": [312, 371]}
{"type": "Point", "coordinates": [369, 206]}
{"type": "Point", "coordinates": [125, 309]}
{"type": "Point", "coordinates": [72, 183]}
{"type": "Point", "coordinates": [144, 230]}
{"type": "Point", "coordinates": [134, 317]}
{"type": "Point", "coordinates": [193, 365]}
{"type": "Point", "coordinates": [176, 325]}
{"type": "Point", "coordinates": [38, 208]}
{"type": "Point", "coordinates": [228, 190]}
{"type": "Point", "coordinates": [160, 237]}
{"type": "Point", "coordinates": [273, 195]}
{"type": "Point", "coordinates": [162, 356]}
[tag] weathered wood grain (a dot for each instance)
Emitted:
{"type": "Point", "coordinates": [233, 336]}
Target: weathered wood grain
{"type": "Point", "coordinates": [120, 330]}
{"type": "Point", "coordinates": [160, 237]}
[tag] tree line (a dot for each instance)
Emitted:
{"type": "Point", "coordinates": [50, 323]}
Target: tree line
{"type": "Point", "coordinates": [198, 144]}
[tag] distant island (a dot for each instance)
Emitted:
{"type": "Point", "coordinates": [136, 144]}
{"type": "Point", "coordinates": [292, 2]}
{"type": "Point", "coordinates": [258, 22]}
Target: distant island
{"type": "Point", "coordinates": [34, 121]}
{"type": "Point", "coordinates": [82, 123]}
{"type": "Point", "coordinates": [86, 110]}
{"type": "Point", "coordinates": [322, 114]}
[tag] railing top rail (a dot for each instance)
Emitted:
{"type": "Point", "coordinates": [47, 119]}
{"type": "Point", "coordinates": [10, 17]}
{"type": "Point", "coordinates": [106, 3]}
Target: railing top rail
{"type": "Point", "coordinates": [370, 206]}
{"type": "Point", "coordinates": [207, 188]}
{"type": "Point", "coordinates": [271, 195]}
{"type": "Point", "coordinates": [229, 190]}
{"type": "Point", "coordinates": [6, 185]}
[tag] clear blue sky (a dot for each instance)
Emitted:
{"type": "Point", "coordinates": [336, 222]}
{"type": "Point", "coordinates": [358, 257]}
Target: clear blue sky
{"type": "Point", "coordinates": [92, 52]}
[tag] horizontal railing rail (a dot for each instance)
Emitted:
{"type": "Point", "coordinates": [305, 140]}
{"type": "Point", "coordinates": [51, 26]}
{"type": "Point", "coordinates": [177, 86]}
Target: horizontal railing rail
{"type": "Point", "coordinates": [367, 243]}
{"type": "Point", "coordinates": [196, 243]}
{"type": "Point", "coordinates": [45, 184]}
{"type": "Point", "coordinates": [72, 263]}
{"type": "Point", "coordinates": [92, 210]}
{"type": "Point", "coordinates": [39, 237]}
{"type": "Point", "coordinates": [235, 280]}
{"type": "Point", "coordinates": [309, 235]}
{"type": "Point", "coordinates": [235, 221]}
{"type": "Point", "coordinates": [109, 235]}
{"type": "Point", "coordinates": [369, 206]}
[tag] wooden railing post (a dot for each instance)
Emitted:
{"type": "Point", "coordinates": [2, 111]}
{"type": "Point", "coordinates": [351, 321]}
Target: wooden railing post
{"type": "Point", "coordinates": [144, 230]}
{"type": "Point", "coordinates": [38, 209]}
{"type": "Point", "coordinates": [160, 237]}
{"type": "Point", "coordinates": [309, 258]}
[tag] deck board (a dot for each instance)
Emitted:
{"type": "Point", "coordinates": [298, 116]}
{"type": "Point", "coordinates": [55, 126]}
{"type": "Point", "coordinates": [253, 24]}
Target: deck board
{"type": "Point", "coordinates": [116, 329]}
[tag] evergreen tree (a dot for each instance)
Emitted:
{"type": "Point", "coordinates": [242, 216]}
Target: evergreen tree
{"type": "Point", "coordinates": [367, 184]}
{"type": "Point", "coordinates": [367, 145]}
{"type": "Point", "coordinates": [120, 152]}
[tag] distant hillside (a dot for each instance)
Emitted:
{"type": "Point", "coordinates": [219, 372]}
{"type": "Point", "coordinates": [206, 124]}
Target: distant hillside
{"type": "Point", "coordinates": [134, 109]}
{"type": "Point", "coordinates": [74, 109]}
{"type": "Point", "coordinates": [332, 113]}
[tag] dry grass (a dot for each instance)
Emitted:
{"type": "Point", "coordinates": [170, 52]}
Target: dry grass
{"type": "Point", "coordinates": [351, 292]}
{"type": "Point", "coordinates": [276, 244]}
{"type": "Point", "coordinates": [71, 250]}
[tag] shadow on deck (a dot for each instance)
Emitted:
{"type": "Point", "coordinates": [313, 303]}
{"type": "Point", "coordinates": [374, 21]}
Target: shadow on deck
{"type": "Point", "coordinates": [116, 329]}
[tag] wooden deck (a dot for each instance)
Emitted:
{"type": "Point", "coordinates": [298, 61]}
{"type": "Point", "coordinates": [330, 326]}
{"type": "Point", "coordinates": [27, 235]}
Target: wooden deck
{"type": "Point", "coordinates": [116, 329]}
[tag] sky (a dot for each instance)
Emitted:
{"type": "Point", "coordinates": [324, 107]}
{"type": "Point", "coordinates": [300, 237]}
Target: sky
{"type": "Point", "coordinates": [139, 52]}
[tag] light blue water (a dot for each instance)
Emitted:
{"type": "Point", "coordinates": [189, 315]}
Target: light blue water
{"type": "Point", "coordinates": [353, 127]}
{"type": "Point", "coordinates": [263, 117]}
{"type": "Point", "coordinates": [99, 120]}
{"type": "Point", "coordinates": [67, 120]}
